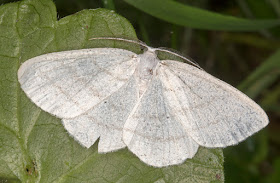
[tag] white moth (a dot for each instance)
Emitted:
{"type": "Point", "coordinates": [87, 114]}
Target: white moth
{"type": "Point", "coordinates": [162, 110]}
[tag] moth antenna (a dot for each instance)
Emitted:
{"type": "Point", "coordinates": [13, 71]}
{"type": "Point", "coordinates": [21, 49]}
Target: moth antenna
{"type": "Point", "coordinates": [122, 39]}
{"type": "Point", "coordinates": [148, 47]}
{"type": "Point", "coordinates": [190, 61]}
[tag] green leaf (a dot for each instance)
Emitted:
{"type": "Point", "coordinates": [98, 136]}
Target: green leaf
{"type": "Point", "coordinates": [271, 101]}
{"type": "Point", "coordinates": [275, 176]}
{"type": "Point", "coordinates": [34, 146]}
{"type": "Point", "coordinates": [181, 14]}
{"type": "Point", "coordinates": [263, 77]}
{"type": "Point", "coordinates": [258, 9]}
{"type": "Point", "coordinates": [109, 4]}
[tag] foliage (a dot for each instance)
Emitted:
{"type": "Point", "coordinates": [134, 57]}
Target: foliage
{"type": "Point", "coordinates": [34, 147]}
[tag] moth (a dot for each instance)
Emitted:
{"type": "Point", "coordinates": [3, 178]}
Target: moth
{"type": "Point", "coordinates": [161, 110]}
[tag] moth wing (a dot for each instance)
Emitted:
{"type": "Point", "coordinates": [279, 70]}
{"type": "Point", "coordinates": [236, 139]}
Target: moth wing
{"type": "Point", "coordinates": [105, 120]}
{"type": "Point", "coordinates": [218, 115]}
{"type": "Point", "coordinates": [154, 132]}
{"type": "Point", "coordinates": [67, 84]}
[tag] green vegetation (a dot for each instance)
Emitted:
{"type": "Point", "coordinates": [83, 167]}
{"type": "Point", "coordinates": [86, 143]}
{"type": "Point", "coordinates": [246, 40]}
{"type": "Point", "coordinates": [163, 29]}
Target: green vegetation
{"type": "Point", "coordinates": [236, 41]}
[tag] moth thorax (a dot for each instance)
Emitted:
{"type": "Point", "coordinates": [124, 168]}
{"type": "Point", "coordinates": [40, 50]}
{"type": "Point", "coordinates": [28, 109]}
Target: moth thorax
{"type": "Point", "coordinates": [147, 65]}
{"type": "Point", "coordinates": [146, 69]}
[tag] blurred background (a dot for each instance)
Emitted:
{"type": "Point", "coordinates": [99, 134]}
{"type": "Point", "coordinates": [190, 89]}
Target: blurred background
{"type": "Point", "coordinates": [247, 57]}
